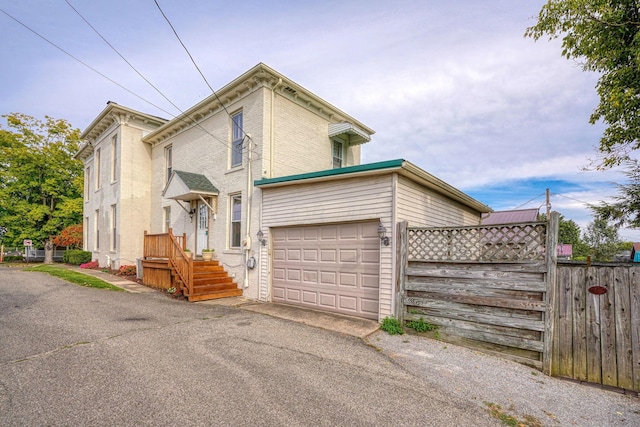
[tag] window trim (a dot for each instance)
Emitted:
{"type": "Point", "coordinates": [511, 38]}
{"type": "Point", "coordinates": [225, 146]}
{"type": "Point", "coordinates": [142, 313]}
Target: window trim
{"type": "Point", "coordinates": [97, 160]}
{"type": "Point", "coordinates": [333, 155]}
{"type": "Point", "coordinates": [113, 227]}
{"type": "Point", "coordinates": [96, 230]}
{"type": "Point", "coordinates": [235, 156]}
{"type": "Point", "coordinates": [167, 219]}
{"type": "Point", "coordinates": [235, 223]}
{"type": "Point", "coordinates": [114, 158]}
{"type": "Point", "coordinates": [168, 162]}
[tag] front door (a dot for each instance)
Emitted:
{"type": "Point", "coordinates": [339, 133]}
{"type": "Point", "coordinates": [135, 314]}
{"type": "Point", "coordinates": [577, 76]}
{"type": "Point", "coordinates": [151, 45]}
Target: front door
{"type": "Point", "coordinates": [203, 227]}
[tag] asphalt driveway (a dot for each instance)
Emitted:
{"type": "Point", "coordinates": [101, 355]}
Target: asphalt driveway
{"type": "Point", "coordinates": [76, 356]}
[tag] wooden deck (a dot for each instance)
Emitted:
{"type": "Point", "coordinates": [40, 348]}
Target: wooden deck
{"type": "Point", "coordinates": [166, 265]}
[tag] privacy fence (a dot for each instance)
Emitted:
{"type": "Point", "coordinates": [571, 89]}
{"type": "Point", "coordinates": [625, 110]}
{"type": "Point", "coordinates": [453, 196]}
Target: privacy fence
{"type": "Point", "coordinates": [500, 289]}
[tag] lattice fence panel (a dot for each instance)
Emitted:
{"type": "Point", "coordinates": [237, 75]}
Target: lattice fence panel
{"type": "Point", "coordinates": [507, 242]}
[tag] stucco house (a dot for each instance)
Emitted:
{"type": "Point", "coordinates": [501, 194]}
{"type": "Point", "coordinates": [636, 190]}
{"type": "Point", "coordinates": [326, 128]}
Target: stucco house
{"type": "Point", "coordinates": [270, 176]}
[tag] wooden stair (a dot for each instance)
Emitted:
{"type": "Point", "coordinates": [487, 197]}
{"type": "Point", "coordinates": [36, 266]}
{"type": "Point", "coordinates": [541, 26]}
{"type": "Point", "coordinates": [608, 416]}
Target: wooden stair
{"type": "Point", "coordinates": [211, 281]}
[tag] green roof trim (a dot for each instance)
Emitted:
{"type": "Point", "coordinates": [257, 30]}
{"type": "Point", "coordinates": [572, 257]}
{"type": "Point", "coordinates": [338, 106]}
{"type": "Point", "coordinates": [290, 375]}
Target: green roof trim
{"type": "Point", "coordinates": [197, 182]}
{"type": "Point", "coordinates": [389, 164]}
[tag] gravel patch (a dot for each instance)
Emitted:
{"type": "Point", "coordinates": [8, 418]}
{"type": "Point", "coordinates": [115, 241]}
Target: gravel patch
{"type": "Point", "coordinates": [520, 392]}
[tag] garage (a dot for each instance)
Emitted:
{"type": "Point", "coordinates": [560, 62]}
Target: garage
{"type": "Point", "coordinates": [333, 267]}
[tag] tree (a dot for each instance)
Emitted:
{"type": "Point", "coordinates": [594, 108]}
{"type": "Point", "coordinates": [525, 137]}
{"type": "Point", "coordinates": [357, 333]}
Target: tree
{"type": "Point", "coordinates": [40, 181]}
{"type": "Point", "coordinates": [603, 239]}
{"type": "Point", "coordinates": [70, 237]}
{"type": "Point", "coordinates": [569, 233]}
{"type": "Point", "coordinates": [625, 211]}
{"type": "Point", "coordinates": [604, 36]}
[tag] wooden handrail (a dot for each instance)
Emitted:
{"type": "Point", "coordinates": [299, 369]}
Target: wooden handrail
{"type": "Point", "coordinates": [170, 247]}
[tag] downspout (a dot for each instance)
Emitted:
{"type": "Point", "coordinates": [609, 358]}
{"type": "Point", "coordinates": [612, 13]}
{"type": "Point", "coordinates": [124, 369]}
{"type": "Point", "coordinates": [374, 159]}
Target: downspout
{"type": "Point", "coordinates": [271, 128]}
{"type": "Point", "coordinates": [247, 242]}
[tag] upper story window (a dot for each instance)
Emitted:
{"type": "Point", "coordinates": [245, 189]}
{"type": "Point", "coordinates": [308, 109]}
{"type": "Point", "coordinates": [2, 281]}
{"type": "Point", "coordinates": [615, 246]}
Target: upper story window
{"type": "Point", "coordinates": [338, 154]}
{"type": "Point", "coordinates": [235, 235]}
{"type": "Point", "coordinates": [168, 161]}
{"type": "Point", "coordinates": [114, 158]}
{"type": "Point", "coordinates": [87, 183]}
{"type": "Point", "coordinates": [236, 139]}
{"type": "Point", "coordinates": [96, 168]}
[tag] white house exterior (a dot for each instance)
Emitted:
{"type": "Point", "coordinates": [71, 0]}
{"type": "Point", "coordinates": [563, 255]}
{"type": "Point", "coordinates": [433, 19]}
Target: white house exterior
{"type": "Point", "coordinates": [264, 155]}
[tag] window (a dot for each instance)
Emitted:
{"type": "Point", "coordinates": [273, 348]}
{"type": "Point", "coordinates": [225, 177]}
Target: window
{"type": "Point", "coordinates": [96, 168]}
{"type": "Point", "coordinates": [114, 158]}
{"type": "Point", "coordinates": [168, 161]}
{"type": "Point", "coordinates": [167, 219]}
{"type": "Point", "coordinates": [85, 232]}
{"type": "Point", "coordinates": [87, 183]}
{"type": "Point", "coordinates": [236, 139]}
{"type": "Point", "coordinates": [337, 154]}
{"type": "Point", "coordinates": [235, 202]}
{"type": "Point", "coordinates": [96, 230]}
{"type": "Point", "coordinates": [113, 220]}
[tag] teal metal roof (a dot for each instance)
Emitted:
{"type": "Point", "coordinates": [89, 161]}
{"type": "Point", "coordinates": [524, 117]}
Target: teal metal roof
{"type": "Point", "coordinates": [389, 164]}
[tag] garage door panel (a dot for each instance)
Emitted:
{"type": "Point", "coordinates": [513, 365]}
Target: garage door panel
{"type": "Point", "coordinates": [370, 281]}
{"type": "Point", "coordinates": [327, 301]}
{"type": "Point", "coordinates": [310, 276]}
{"type": "Point", "coordinates": [334, 267]}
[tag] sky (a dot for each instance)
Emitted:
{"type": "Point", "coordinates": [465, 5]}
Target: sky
{"type": "Point", "coordinates": [453, 87]}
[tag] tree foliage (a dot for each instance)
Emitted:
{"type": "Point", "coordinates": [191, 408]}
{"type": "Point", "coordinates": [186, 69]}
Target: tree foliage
{"type": "Point", "coordinates": [40, 181]}
{"type": "Point", "coordinates": [603, 239]}
{"type": "Point", "coordinates": [604, 36]}
{"type": "Point", "coordinates": [71, 237]}
{"type": "Point", "coordinates": [625, 210]}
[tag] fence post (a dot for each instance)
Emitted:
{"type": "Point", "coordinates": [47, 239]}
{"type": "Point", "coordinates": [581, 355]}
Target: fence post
{"type": "Point", "coordinates": [550, 294]}
{"type": "Point", "coordinates": [401, 267]}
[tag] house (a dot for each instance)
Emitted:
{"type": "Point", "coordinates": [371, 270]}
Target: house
{"type": "Point", "coordinates": [510, 216]}
{"type": "Point", "coordinates": [270, 176]}
{"type": "Point", "coordinates": [635, 252]}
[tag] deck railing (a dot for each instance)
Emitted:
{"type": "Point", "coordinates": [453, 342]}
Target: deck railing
{"type": "Point", "coordinates": [170, 247]}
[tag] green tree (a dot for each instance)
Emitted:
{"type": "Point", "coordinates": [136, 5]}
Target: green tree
{"type": "Point", "coordinates": [569, 233]}
{"type": "Point", "coordinates": [604, 37]}
{"type": "Point", "coordinates": [602, 238]}
{"type": "Point", "coordinates": [40, 181]}
{"type": "Point", "coordinates": [625, 210]}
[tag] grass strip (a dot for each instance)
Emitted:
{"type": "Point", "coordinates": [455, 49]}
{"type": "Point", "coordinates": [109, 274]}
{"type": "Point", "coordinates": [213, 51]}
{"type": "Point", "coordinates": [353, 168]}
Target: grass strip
{"type": "Point", "coordinates": [74, 277]}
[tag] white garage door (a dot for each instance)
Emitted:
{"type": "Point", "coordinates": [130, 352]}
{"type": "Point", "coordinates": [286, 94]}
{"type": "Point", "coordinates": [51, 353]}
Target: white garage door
{"type": "Point", "coordinates": [329, 267]}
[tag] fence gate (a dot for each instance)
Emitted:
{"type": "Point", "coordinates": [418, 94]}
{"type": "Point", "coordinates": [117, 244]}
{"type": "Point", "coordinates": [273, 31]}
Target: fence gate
{"type": "Point", "coordinates": [597, 333]}
{"type": "Point", "coordinates": [486, 287]}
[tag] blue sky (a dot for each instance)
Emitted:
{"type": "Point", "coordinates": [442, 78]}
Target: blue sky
{"type": "Point", "coordinates": [453, 87]}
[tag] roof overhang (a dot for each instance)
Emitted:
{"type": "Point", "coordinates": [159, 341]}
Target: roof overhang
{"type": "Point", "coordinates": [355, 133]}
{"type": "Point", "coordinates": [187, 186]}
{"type": "Point", "coordinates": [399, 166]}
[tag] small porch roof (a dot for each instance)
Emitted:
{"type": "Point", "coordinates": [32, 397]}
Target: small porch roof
{"type": "Point", "coordinates": [356, 135]}
{"type": "Point", "coordinates": [187, 186]}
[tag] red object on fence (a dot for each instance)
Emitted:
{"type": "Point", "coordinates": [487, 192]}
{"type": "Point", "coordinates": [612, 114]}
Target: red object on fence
{"type": "Point", "coordinates": [597, 290]}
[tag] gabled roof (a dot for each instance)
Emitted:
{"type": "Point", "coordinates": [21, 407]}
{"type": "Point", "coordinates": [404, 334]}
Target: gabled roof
{"type": "Point", "coordinates": [259, 76]}
{"type": "Point", "coordinates": [509, 217]}
{"type": "Point", "coordinates": [188, 186]}
{"type": "Point", "coordinates": [400, 166]}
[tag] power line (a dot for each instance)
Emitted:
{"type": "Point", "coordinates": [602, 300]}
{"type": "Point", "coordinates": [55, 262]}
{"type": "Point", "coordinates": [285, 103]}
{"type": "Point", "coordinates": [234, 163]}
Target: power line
{"type": "Point", "coordinates": [194, 122]}
{"type": "Point", "coordinates": [196, 65]}
{"type": "Point", "coordinates": [527, 202]}
{"type": "Point", "coordinates": [84, 63]}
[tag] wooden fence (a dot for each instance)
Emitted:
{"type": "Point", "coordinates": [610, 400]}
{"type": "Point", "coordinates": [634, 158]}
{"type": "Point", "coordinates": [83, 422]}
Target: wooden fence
{"type": "Point", "coordinates": [483, 286]}
{"type": "Point", "coordinates": [597, 334]}
{"type": "Point", "coordinates": [500, 289]}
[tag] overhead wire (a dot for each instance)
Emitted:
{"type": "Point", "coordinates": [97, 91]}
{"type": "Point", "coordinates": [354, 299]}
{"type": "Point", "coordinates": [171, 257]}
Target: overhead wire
{"type": "Point", "coordinates": [194, 122]}
{"type": "Point", "coordinates": [196, 65]}
{"type": "Point", "coordinates": [84, 63]}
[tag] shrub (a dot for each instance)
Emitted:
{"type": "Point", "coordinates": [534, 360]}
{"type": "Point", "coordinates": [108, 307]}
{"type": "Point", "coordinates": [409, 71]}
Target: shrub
{"type": "Point", "coordinates": [92, 265]}
{"type": "Point", "coordinates": [11, 258]}
{"type": "Point", "coordinates": [76, 256]}
{"type": "Point", "coordinates": [127, 270]}
{"type": "Point", "coordinates": [392, 326]}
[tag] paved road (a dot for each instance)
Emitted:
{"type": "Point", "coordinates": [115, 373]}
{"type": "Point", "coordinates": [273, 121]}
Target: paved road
{"type": "Point", "coordinates": [76, 356]}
